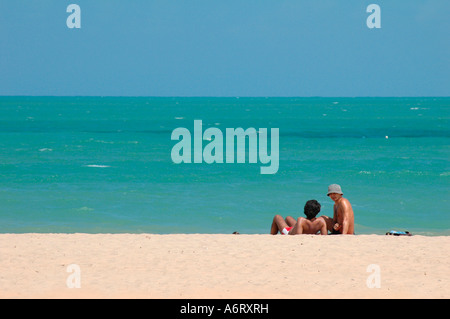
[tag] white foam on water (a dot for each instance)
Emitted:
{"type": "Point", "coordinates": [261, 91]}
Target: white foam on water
{"type": "Point", "coordinates": [97, 166]}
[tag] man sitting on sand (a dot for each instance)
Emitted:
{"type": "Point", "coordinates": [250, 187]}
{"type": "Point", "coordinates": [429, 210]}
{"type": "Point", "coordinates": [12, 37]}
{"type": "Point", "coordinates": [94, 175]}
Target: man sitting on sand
{"type": "Point", "coordinates": [343, 221]}
{"type": "Point", "coordinates": [308, 225]}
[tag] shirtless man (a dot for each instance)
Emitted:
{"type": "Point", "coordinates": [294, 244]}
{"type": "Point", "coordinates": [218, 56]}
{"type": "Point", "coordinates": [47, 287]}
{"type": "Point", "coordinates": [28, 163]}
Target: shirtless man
{"type": "Point", "coordinates": [343, 221]}
{"type": "Point", "coordinates": [308, 225]}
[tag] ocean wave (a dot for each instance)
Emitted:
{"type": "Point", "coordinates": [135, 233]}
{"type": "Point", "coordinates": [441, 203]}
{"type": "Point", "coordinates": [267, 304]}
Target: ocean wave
{"type": "Point", "coordinates": [97, 166]}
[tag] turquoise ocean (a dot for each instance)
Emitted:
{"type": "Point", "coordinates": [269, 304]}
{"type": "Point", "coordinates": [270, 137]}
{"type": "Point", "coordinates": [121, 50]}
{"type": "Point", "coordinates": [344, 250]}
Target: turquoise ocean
{"type": "Point", "coordinates": [103, 164]}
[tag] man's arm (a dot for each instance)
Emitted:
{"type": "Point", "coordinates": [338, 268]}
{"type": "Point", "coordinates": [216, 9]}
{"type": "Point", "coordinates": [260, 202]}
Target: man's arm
{"type": "Point", "coordinates": [334, 215]}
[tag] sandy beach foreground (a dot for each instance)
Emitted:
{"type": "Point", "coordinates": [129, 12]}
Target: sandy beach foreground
{"type": "Point", "coordinates": [223, 266]}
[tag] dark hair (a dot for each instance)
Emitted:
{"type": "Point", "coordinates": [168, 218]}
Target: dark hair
{"type": "Point", "coordinates": [312, 208]}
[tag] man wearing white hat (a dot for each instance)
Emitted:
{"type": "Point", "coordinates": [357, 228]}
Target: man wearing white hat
{"type": "Point", "coordinates": [343, 221]}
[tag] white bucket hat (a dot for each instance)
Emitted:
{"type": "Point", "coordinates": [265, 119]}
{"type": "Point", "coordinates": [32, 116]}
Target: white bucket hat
{"type": "Point", "coordinates": [334, 188]}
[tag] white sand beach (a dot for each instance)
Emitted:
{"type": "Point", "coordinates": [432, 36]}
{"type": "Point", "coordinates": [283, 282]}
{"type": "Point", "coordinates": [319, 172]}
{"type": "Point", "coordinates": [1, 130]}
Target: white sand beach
{"type": "Point", "coordinates": [223, 266]}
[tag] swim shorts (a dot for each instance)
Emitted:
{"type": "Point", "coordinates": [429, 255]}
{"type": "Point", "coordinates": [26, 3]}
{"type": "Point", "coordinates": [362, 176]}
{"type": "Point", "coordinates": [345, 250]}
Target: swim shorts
{"type": "Point", "coordinates": [286, 230]}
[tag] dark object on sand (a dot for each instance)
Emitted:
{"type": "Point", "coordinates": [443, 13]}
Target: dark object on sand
{"type": "Point", "coordinates": [398, 233]}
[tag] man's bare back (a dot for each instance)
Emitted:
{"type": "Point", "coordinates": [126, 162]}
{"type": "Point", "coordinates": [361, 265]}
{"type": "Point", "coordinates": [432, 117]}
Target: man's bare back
{"type": "Point", "coordinates": [306, 226]}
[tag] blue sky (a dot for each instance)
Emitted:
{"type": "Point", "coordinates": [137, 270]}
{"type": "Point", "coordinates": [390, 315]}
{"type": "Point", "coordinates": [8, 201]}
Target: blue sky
{"type": "Point", "coordinates": [225, 48]}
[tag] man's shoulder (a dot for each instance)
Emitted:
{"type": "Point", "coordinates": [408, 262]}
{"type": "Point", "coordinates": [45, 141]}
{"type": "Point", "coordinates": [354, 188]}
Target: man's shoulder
{"type": "Point", "coordinates": [345, 201]}
{"type": "Point", "coordinates": [319, 220]}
